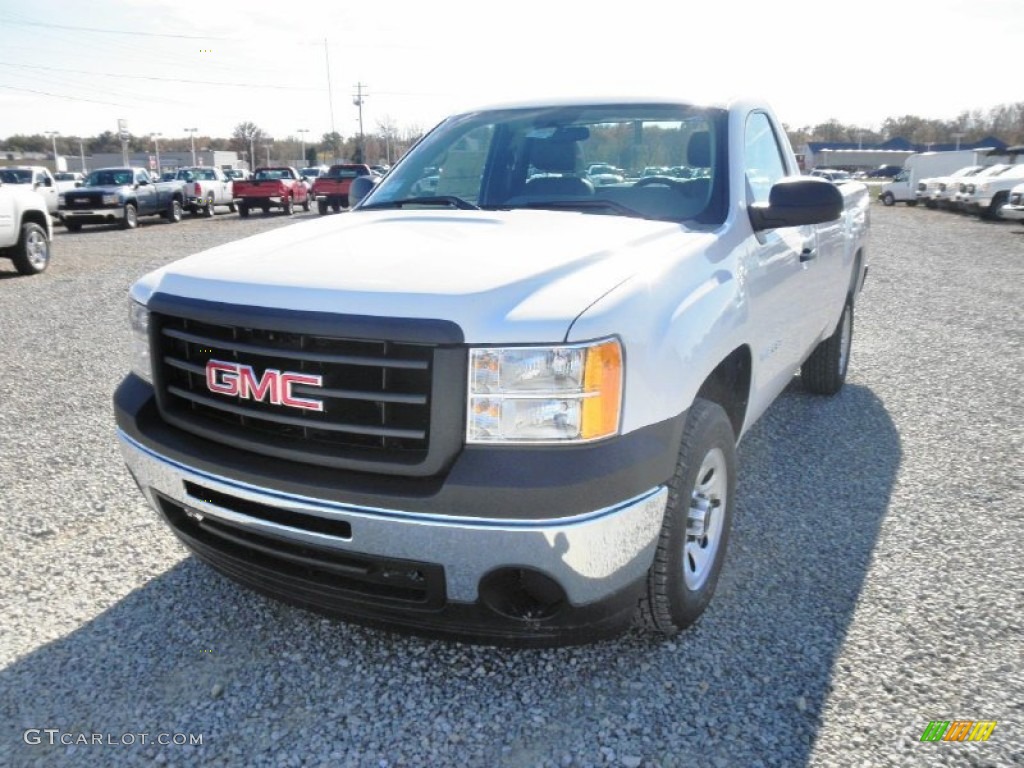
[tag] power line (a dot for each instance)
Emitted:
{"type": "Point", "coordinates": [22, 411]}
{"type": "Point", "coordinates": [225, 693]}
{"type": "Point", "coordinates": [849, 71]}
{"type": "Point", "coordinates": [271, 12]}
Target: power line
{"type": "Point", "coordinates": [117, 31]}
{"type": "Point", "coordinates": [163, 79]}
{"type": "Point", "coordinates": [61, 96]}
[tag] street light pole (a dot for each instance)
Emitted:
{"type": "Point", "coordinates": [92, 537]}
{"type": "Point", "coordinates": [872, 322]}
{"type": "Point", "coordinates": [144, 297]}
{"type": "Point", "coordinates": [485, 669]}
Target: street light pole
{"type": "Point", "coordinates": [302, 137]}
{"type": "Point", "coordinates": [156, 143]}
{"type": "Point", "coordinates": [193, 132]}
{"type": "Point", "coordinates": [53, 135]}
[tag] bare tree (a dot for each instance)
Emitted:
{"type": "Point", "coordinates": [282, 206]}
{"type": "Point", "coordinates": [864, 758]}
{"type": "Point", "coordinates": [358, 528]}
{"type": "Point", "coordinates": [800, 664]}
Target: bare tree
{"type": "Point", "coordinates": [247, 137]}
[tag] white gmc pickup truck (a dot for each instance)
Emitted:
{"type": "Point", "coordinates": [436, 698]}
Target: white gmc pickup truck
{"type": "Point", "coordinates": [503, 406]}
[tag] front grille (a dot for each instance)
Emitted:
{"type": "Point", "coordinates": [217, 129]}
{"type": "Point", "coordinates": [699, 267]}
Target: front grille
{"type": "Point", "coordinates": [84, 200]}
{"type": "Point", "coordinates": [375, 395]}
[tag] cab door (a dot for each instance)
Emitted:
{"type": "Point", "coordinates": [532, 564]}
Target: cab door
{"type": "Point", "coordinates": [778, 266]}
{"type": "Point", "coordinates": [145, 193]}
{"type": "Point", "coordinates": [43, 183]}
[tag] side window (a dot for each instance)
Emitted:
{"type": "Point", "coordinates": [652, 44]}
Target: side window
{"type": "Point", "coordinates": [763, 163]}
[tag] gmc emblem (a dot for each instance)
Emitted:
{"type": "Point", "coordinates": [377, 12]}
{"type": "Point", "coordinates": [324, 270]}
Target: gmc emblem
{"type": "Point", "coordinates": [274, 386]}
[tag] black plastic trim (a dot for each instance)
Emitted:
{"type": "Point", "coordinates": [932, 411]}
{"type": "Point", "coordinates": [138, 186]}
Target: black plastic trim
{"type": "Point", "coordinates": [401, 330]}
{"type": "Point", "coordinates": [502, 482]}
{"type": "Point", "coordinates": [432, 615]}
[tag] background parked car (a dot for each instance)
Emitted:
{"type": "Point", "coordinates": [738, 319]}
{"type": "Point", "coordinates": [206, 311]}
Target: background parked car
{"type": "Point", "coordinates": [884, 172]}
{"type": "Point", "coordinates": [35, 177]}
{"type": "Point", "coordinates": [68, 180]}
{"type": "Point", "coordinates": [1014, 208]}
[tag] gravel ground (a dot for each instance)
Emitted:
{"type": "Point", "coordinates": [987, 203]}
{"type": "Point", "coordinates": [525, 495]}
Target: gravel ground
{"type": "Point", "coordinates": [873, 582]}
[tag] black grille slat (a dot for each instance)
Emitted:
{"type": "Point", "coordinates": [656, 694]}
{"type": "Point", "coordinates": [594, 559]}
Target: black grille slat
{"type": "Point", "coordinates": [262, 351]}
{"type": "Point", "coordinates": [375, 394]}
{"type": "Point", "coordinates": [293, 420]}
{"type": "Point", "coordinates": [348, 394]}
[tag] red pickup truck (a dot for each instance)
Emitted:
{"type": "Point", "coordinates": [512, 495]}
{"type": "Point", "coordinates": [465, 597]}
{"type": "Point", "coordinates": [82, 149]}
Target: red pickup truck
{"type": "Point", "coordinates": [331, 189]}
{"type": "Point", "coordinates": [272, 187]}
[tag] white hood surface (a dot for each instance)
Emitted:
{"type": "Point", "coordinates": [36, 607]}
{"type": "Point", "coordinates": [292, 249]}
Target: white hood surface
{"type": "Point", "coordinates": [507, 275]}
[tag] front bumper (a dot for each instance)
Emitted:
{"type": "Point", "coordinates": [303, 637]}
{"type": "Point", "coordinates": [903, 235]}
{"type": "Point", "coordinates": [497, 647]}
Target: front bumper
{"type": "Point", "coordinates": [354, 559]}
{"type": "Point", "coordinates": [1012, 212]}
{"type": "Point", "coordinates": [92, 215]}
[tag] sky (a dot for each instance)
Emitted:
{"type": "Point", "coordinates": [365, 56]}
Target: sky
{"type": "Point", "coordinates": [165, 66]}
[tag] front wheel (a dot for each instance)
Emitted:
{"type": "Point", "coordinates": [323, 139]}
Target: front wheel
{"type": "Point", "coordinates": [208, 211]}
{"type": "Point", "coordinates": [695, 530]}
{"type": "Point", "coordinates": [824, 372]}
{"type": "Point", "coordinates": [131, 217]}
{"type": "Point", "coordinates": [321, 207]}
{"type": "Point", "coordinates": [287, 206]}
{"type": "Point", "coordinates": [32, 253]}
{"type": "Point", "coordinates": [243, 210]}
{"type": "Point", "coordinates": [888, 199]}
{"type": "Point", "coordinates": [306, 204]}
{"type": "Point", "coordinates": [174, 212]}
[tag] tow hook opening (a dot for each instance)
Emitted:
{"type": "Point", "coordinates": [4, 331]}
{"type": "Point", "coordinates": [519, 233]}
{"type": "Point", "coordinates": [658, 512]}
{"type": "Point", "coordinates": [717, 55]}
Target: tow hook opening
{"type": "Point", "coordinates": [522, 594]}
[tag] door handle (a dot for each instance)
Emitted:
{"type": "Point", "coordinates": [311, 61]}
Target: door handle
{"type": "Point", "coordinates": [807, 254]}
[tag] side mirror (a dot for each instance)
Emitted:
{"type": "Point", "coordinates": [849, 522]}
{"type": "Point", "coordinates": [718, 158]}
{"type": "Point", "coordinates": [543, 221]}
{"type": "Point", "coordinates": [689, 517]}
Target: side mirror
{"type": "Point", "coordinates": [142, 182]}
{"type": "Point", "coordinates": [797, 201]}
{"type": "Point", "coordinates": [360, 188]}
{"type": "Point", "coordinates": [78, 183]}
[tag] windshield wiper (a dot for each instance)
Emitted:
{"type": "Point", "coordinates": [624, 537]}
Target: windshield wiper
{"type": "Point", "coordinates": [584, 205]}
{"type": "Point", "coordinates": [449, 200]}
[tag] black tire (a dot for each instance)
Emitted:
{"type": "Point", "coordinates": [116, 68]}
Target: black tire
{"type": "Point", "coordinates": [131, 216]}
{"type": "Point", "coordinates": [287, 206]}
{"type": "Point", "coordinates": [911, 203]}
{"type": "Point", "coordinates": [232, 207]}
{"type": "Point", "coordinates": [72, 226]}
{"type": "Point", "coordinates": [321, 207]}
{"type": "Point", "coordinates": [887, 199]}
{"type": "Point", "coordinates": [208, 209]}
{"type": "Point", "coordinates": [243, 210]}
{"type": "Point", "coordinates": [336, 207]}
{"type": "Point", "coordinates": [992, 212]}
{"type": "Point", "coordinates": [265, 207]}
{"type": "Point", "coordinates": [193, 211]}
{"type": "Point", "coordinates": [306, 204]}
{"type": "Point", "coordinates": [698, 516]}
{"type": "Point", "coordinates": [32, 252]}
{"type": "Point", "coordinates": [931, 204]}
{"type": "Point", "coordinates": [174, 212]}
{"type": "Point", "coordinates": [824, 372]}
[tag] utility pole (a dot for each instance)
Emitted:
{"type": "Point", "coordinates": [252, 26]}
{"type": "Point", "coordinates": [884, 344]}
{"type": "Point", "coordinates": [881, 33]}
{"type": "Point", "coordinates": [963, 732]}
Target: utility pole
{"type": "Point", "coordinates": [358, 101]}
{"type": "Point", "coordinates": [53, 135]}
{"type": "Point", "coordinates": [122, 130]}
{"type": "Point", "coordinates": [193, 132]}
{"type": "Point", "coordinates": [156, 143]}
{"type": "Point", "coordinates": [81, 154]}
{"type": "Point", "coordinates": [330, 95]}
{"type": "Point", "coordinates": [302, 137]}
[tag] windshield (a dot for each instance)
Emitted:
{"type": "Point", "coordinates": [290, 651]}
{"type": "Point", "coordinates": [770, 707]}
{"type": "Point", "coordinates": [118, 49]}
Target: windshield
{"type": "Point", "coordinates": [346, 172]}
{"type": "Point", "coordinates": [15, 176]}
{"type": "Point", "coordinates": [543, 157]}
{"type": "Point", "coordinates": [265, 174]}
{"type": "Point", "coordinates": [109, 178]}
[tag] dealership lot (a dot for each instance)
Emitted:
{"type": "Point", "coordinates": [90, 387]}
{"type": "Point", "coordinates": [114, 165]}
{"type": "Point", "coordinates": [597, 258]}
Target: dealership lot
{"type": "Point", "coordinates": [873, 582]}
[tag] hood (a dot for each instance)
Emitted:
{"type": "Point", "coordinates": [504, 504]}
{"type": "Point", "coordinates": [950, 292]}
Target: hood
{"type": "Point", "coordinates": [93, 190]}
{"type": "Point", "coordinates": [501, 276]}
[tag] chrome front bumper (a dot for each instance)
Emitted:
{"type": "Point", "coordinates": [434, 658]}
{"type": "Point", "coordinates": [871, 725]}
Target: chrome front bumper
{"type": "Point", "coordinates": [591, 555]}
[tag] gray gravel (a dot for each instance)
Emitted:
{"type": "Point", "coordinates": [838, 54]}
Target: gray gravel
{"type": "Point", "coordinates": [873, 582]}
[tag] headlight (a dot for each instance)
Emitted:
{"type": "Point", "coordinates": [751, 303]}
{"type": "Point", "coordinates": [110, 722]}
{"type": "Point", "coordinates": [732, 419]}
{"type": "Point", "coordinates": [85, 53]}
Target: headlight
{"type": "Point", "coordinates": [138, 318]}
{"type": "Point", "coordinates": [110, 199]}
{"type": "Point", "coordinates": [557, 394]}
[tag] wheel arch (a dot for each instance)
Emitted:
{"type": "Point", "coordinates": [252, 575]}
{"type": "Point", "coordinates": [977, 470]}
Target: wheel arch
{"type": "Point", "coordinates": [728, 385]}
{"type": "Point", "coordinates": [35, 217]}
